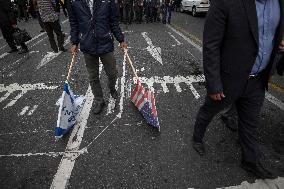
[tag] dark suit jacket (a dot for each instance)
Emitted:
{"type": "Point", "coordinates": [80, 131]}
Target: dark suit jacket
{"type": "Point", "coordinates": [230, 45]}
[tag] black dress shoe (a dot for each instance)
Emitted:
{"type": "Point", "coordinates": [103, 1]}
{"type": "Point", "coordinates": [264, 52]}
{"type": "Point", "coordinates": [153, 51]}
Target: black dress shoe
{"type": "Point", "coordinates": [198, 147]}
{"type": "Point", "coordinates": [98, 106]}
{"type": "Point", "coordinates": [257, 169]}
{"type": "Point", "coordinates": [114, 94]}
{"type": "Point", "coordinates": [230, 122]}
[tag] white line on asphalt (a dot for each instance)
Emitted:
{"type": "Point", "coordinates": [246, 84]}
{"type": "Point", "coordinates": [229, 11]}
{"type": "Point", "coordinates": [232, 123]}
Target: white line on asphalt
{"type": "Point", "coordinates": [3, 47]}
{"type": "Point", "coordinates": [32, 110]}
{"type": "Point", "coordinates": [122, 91]}
{"type": "Point", "coordinates": [185, 38]}
{"type": "Point", "coordinates": [65, 168]}
{"type": "Point", "coordinates": [111, 104]}
{"type": "Point", "coordinates": [23, 88]}
{"type": "Point", "coordinates": [24, 110]}
{"type": "Point", "coordinates": [177, 80]}
{"type": "Point", "coordinates": [178, 42]}
{"type": "Point", "coordinates": [50, 154]}
{"type": "Point", "coordinates": [153, 50]}
{"type": "Point", "coordinates": [274, 100]}
{"type": "Point", "coordinates": [51, 55]}
{"type": "Point", "coordinates": [26, 132]}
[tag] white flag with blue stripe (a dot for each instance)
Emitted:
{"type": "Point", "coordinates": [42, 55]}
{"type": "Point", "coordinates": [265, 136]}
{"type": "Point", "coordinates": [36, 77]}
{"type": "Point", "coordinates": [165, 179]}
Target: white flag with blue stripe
{"type": "Point", "coordinates": [70, 107]}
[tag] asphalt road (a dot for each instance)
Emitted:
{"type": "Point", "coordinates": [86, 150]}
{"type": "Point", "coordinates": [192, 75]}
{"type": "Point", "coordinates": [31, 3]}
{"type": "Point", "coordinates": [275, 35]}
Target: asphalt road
{"type": "Point", "coordinates": [117, 149]}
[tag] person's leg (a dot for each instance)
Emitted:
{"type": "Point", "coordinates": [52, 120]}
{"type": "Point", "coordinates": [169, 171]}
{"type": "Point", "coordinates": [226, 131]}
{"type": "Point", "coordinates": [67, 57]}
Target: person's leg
{"type": "Point", "coordinates": [40, 21]}
{"type": "Point", "coordinates": [92, 65]}
{"type": "Point", "coordinates": [7, 35]}
{"type": "Point", "coordinates": [109, 63]}
{"type": "Point", "coordinates": [49, 30]}
{"type": "Point", "coordinates": [59, 34]}
{"type": "Point", "coordinates": [230, 117]}
{"type": "Point", "coordinates": [249, 107]}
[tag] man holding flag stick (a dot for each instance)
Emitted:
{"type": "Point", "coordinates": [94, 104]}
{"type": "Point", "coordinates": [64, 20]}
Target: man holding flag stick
{"type": "Point", "coordinates": [93, 25]}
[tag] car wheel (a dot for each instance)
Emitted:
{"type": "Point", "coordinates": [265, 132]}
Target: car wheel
{"type": "Point", "coordinates": [194, 11]}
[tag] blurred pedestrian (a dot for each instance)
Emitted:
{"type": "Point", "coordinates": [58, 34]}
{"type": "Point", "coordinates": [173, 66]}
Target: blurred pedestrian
{"type": "Point", "coordinates": [64, 7]}
{"type": "Point", "coordinates": [139, 11]}
{"type": "Point", "coordinates": [148, 6]}
{"type": "Point", "coordinates": [121, 5]}
{"type": "Point", "coordinates": [96, 44]}
{"type": "Point", "coordinates": [238, 62]}
{"type": "Point", "coordinates": [128, 9]}
{"type": "Point", "coordinates": [38, 15]}
{"type": "Point", "coordinates": [8, 24]}
{"type": "Point", "coordinates": [166, 12]}
{"type": "Point", "coordinates": [23, 9]}
{"type": "Point", "coordinates": [49, 13]}
{"type": "Point", "coordinates": [156, 5]}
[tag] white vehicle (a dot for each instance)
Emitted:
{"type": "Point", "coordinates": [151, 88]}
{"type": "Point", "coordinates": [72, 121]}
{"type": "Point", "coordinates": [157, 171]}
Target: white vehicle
{"type": "Point", "coordinates": [195, 6]}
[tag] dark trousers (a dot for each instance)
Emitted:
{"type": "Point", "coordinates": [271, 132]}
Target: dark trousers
{"type": "Point", "coordinates": [248, 107]}
{"type": "Point", "coordinates": [92, 64]}
{"type": "Point", "coordinates": [55, 27]}
{"type": "Point", "coordinates": [7, 32]}
{"type": "Point", "coordinates": [155, 14]}
{"type": "Point", "coordinates": [149, 13]}
{"type": "Point", "coordinates": [139, 13]}
{"type": "Point", "coordinates": [128, 13]}
{"type": "Point", "coordinates": [121, 14]}
{"type": "Point", "coordinates": [39, 20]}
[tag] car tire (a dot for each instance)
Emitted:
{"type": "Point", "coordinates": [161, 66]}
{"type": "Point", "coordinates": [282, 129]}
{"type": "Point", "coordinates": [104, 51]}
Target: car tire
{"type": "Point", "coordinates": [193, 11]}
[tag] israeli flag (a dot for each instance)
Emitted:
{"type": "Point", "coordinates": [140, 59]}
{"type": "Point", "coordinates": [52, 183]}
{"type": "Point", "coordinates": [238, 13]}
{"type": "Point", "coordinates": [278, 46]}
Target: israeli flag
{"type": "Point", "coordinates": [70, 107]}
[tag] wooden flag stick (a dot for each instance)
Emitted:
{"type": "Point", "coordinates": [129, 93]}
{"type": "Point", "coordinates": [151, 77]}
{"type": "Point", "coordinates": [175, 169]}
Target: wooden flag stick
{"type": "Point", "coordinates": [131, 63]}
{"type": "Point", "coordinates": [70, 67]}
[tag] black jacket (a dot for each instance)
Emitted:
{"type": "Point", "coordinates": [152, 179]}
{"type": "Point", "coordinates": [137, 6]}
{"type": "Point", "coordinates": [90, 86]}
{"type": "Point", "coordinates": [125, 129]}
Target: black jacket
{"type": "Point", "coordinates": [94, 33]}
{"type": "Point", "coordinates": [6, 13]}
{"type": "Point", "coordinates": [230, 45]}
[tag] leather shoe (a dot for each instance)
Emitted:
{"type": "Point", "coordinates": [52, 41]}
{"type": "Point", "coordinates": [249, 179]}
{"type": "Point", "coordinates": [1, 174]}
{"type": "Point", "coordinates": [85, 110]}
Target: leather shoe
{"type": "Point", "coordinates": [98, 106]}
{"type": "Point", "coordinates": [198, 147]}
{"type": "Point", "coordinates": [257, 169]}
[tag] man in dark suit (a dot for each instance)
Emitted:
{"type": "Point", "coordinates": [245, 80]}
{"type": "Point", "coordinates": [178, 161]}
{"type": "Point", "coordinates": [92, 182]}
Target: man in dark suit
{"type": "Point", "coordinates": [241, 41]}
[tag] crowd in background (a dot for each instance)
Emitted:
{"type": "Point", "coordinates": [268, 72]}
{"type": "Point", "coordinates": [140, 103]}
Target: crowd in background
{"type": "Point", "coordinates": [153, 10]}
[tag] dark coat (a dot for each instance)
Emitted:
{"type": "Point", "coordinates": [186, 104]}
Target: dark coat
{"type": "Point", "coordinates": [94, 33]}
{"type": "Point", "coordinates": [230, 45]}
{"type": "Point", "coordinates": [7, 16]}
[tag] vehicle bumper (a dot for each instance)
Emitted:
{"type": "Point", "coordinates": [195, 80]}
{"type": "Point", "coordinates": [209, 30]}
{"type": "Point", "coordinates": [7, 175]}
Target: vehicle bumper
{"type": "Point", "coordinates": [202, 9]}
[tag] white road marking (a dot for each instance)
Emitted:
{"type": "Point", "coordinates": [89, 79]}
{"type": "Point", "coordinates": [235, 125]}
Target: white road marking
{"type": "Point", "coordinates": [26, 132]}
{"type": "Point", "coordinates": [3, 47]}
{"type": "Point", "coordinates": [274, 101]}
{"type": "Point", "coordinates": [164, 81]}
{"type": "Point", "coordinates": [153, 50]}
{"type": "Point", "coordinates": [111, 104]}
{"type": "Point", "coordinates": [23, 90]}
{"type": "Point", "coordinates": [32, 110]}
{"type": "Point", "coordinates": [185, 38]}
{"type": "Point", "coordinates": [122, 91]}
{"type": "Point", "coordinates": [177, 41]}
{"type": "Point", "coordinates": [51, 55]}
{"type": "Point", "coordinates": [260, 184]}
{"type": "Point", "coordinates": [24, 110]}
{"type": "Point", "coordinates": [50, 154]}
{"type": "Point", "coordinates": [63, 22]}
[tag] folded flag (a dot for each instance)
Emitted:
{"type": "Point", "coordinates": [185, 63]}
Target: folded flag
{"type": "Point", "coordinates": [70, 107]}
{"type": "Point", "coordinates": [145, 102]}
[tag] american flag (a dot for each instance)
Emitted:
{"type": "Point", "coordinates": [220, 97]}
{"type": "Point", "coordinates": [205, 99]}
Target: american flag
{"type": "Point", "coordinates": [145, 102]}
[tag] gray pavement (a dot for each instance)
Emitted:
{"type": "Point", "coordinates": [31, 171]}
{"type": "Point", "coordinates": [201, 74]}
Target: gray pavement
{"type": "Point", "coordinates": [117, 149]}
